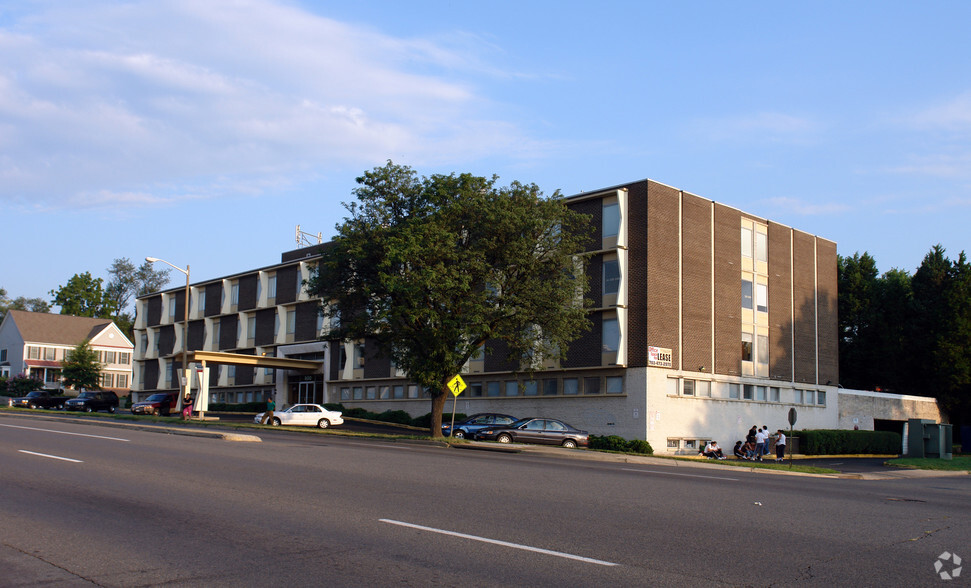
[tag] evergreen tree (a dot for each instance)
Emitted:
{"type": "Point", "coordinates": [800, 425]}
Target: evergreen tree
{"type": "Point", "coordinates": [81, 368]}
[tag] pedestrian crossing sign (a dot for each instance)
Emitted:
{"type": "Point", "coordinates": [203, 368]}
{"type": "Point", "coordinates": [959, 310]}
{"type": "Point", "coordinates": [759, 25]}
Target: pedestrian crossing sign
{"type": "Point", "coordinates": [456, 385]}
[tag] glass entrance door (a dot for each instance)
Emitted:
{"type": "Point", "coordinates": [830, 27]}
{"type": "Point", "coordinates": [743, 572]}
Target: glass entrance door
{"type": "Point", "coordinates": [306, 392]}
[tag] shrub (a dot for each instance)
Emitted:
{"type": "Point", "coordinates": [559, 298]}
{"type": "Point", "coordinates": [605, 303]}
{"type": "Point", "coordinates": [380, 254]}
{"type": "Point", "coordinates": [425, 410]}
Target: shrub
{"type": "Point", "coordinates": [395, 416]}
{"type": "Point", "coordinates": [240, 407]}
{"type": "Point", "coordinates": [842, 442]}
{"type": "Point", "coordinates": [618, 443]}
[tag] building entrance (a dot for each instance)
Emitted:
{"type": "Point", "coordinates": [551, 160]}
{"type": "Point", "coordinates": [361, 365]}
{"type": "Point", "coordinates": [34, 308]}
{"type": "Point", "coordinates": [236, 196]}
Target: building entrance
{"type": "Point", "coordinates": [309, 390]}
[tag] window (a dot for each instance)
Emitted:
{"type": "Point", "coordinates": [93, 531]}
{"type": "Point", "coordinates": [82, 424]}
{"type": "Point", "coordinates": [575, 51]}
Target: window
{"type": "Point", "coordinates": [291, 321]}
{"type": "Point", "coordinates": [591, 385]}
{"type": "Point", "coordinates": [808, 396]}
{"type": "Point", "coordinates": [748, 391]}
{"type": "Point", "coordinates": [530, 388]}
{"type": "Point", "coordinates": [124, 358]}
{"type": "Point", "coordinates": [371, 393]}
{"type": "Point", "coordinates": [674, 443]}
{"type": "Point", "coordinates": [733, 391]}
{"type": "Point", "coordinates": [110, 357]}
{"type": "Point", "coordinates": [746, 346]}
{"type": "Point", "coordinates": [760, 393]}
{"type": "Point", "coordinates": [773, 394]}
{"type": "Point", "coordinates": [271, 287]}
{"type": "Point", "coordinates": [571, 386]}
{"type": "Point", "coordinates": [611, 276]}
{"type": "Point", "coordinates": [512, 388]}
{"type": "Point", "coordinates": [493, 389]}
{"type": "Point", "coordinates": [3, 355]}
{"type": "Point", "coordinates": [251, 328]}
{"type": "Point", "coordinates": [358, 393]}
{"type": "Point", "coordinates": [551, 387]}
{"type": "Point", "coordinates": [475, 390]}
{"type": "Point", "coordinates": [690, 444]}
{"type": "Point", "coordinates": [763, 349]}
{"type": "Point", "coordinates": [611, 219]}
{"type": "Point", "coordinates": [821, 398]}
{"type": "Point", "coordinates": [703, 388]}
{"type": "Point", "coordinates": [797, 396]}
{"type": "Point", "coordinates": [33, 352]}
{"type": "Point", "coordinates": [107, 381]}
{"type": "Point", "coordinates": [747, 294]}
{"type": "Point", "coordinates": [615, 385]}
{"type": "Point", "coordinates": [688, 388]}
{"type": "Point", "coordinates": [611, 335]}
{"type": "Point", "coordinates": [399, 391]}
{"type": "Point", "coordinates": [746, 242]}
{"type": "Point", "coordinates": [121, 380]}
{"type": "Point", "coordinates": [673, 386]}
{"type": "Point", "coordinates": [761, 245]}
{"type": "Point", "coordinates": [172, 308]}
{"type": "Point", "coordinates": [762, 298]}
{"type": "Point", "coordinates": [234, 294]}
{"type": "Point", "coordinates": [384, 393]}
{"type": "Point", "coordinates": [359, 355]}
{"type": "Point", "coordinates": [201, 302]}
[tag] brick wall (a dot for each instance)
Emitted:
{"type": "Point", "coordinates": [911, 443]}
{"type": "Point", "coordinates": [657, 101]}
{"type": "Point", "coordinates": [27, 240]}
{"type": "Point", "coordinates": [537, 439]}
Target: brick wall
{"type": "Point", "coordinates": [728, 291]}
{"type": "Point", "coordinates": [828, 321]}
{"type": "Point", "coordinates": [804, 304]}
{"type": "Point", "coordinates": [662, 268]}
{"type": "Point", "coordinates": [780, 302]}
{"type": "Point", "coordinates": [636, 278]}
{"type": "Point", "coordinates": [247, 292]}
{"type": "Point", "coordinates": [696, 284]}
{"type": "Point", "coordinates": [214, 293]}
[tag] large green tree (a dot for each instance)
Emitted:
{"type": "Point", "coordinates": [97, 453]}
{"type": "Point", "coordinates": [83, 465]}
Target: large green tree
{"type": "Point", "coordinates": [84, 295]}
{"type": "Point", "coordinates": [21, 303]}
{"type": "Point", "coordinates": [126, 282]}
{"type": "Point", "coordinates": [81, 368]}
{"type": "Point", "coordinates": [431, 268]}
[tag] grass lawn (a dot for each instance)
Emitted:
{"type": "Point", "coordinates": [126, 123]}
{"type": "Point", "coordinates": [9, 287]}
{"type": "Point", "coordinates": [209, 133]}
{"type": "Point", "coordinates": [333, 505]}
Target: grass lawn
{"type": "Point", "coordinates": [959, 462]}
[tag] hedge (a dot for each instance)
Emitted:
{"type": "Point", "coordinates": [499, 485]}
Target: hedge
{"type": "Point", "coordinates": [618, 443]}
{"type": "Point", "coordinates": [841, 442]}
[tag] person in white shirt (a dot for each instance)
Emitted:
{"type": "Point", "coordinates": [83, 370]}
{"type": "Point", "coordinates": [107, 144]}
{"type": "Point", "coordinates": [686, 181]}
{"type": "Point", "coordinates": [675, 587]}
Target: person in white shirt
{"type": "Point", "coordinates": [780, 446]}
{"type": "Point", "coordinates": [713, 451]}
{"type": "Point", "coordinates": [760, 438]}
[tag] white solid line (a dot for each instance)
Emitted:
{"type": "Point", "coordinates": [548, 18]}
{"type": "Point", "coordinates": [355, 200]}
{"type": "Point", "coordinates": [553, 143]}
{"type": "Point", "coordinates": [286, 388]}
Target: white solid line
{"type": "Point", "coordinates": [50, 456]}
{"type": "Point", "coordinates": [674, 474]}
{"type": "Point", "coordinates": [503, 543]}
{"type": "Point", "coordinates": [66, 433]}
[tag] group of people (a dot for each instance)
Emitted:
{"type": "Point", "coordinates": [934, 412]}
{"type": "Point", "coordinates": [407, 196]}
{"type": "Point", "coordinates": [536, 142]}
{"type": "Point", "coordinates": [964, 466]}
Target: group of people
{"type": "Point", "coordinates": [756, 444]}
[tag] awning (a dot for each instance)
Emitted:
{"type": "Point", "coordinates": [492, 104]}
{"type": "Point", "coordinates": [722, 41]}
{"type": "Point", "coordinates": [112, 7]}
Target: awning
{"type": "Point", "coordinates": [42, 363]}
{"type": "Point", "coordinates": [260, 361]}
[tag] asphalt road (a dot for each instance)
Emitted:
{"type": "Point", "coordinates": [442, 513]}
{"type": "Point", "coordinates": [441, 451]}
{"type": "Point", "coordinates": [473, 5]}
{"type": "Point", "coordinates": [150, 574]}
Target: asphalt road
{"type": "Point", "coordinates": [105, 506]}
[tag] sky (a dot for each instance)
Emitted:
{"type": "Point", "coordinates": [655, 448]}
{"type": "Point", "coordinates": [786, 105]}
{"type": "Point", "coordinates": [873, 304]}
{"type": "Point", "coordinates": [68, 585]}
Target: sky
{"type": "Point", "coordinates": [203, 133]}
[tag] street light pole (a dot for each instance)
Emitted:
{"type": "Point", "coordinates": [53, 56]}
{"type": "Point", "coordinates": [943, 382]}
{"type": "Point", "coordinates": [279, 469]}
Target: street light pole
{"type": "Point", "coordinates": [185, 324]}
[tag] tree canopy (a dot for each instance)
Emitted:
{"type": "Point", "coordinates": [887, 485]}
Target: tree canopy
{"type": "Point", "coordinates": [21, 303]}
{"type": "Point", "coordinates": [431, 268]}
{"type": "Point", "coordinates": [83, 295]}
{"type": "Point", "coordinates": [908, 334]}
{"type": "Point", "coordinates": [81, 368]}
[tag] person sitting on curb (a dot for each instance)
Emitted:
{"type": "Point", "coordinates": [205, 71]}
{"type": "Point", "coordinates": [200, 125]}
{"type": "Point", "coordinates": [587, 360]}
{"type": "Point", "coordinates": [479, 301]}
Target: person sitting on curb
{"type": "Point", "coordinates": [713, 451]}
{"type": "Point", "coordinates": [739, 450]}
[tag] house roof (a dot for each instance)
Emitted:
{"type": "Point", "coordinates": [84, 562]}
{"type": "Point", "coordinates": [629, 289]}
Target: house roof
{"type": "Point", "coordinates": [57, 329]}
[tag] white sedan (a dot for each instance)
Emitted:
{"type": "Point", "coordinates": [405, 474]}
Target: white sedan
{"type": "Point", "coordinates": [311, 415]}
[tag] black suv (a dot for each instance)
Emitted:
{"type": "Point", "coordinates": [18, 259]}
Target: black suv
{"type": "Point", "coordinates": [92, 401]}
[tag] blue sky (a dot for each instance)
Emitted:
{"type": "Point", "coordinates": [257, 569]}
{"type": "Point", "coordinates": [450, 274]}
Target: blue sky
{"type": "Point", "coordinates": [204, 132]}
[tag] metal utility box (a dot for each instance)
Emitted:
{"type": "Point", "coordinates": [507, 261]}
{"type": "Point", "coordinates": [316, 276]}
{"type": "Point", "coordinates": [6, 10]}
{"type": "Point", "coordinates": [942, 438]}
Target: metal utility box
{"type": "Point", "coordinates": [926, 438]}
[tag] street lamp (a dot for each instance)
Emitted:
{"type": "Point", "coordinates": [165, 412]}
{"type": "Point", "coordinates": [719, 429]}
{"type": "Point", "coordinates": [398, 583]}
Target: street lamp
{"type": "Point", "coordinates": [185, 324]}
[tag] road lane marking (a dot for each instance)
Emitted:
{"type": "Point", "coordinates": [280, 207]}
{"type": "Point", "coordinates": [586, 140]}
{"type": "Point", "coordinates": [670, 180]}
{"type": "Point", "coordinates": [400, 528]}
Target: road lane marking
{"type": "Point", "coordinates": [67, 433]}
{"type": "Point", "coordinates": [50, 456]}
{"type": "Point", "coordinates": [674, 474]}
{"type": "Point", "coordinates": [502, 543]}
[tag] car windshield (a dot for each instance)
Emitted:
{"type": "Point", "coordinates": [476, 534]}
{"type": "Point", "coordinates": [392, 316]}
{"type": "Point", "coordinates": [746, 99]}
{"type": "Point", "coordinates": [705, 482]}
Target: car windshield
{"type": "Point", "coordinates": [35, 395]}
{"type": "Point", "coordinates": [518, 423]}
{"type": "Point", "coordinates": [158, 398]}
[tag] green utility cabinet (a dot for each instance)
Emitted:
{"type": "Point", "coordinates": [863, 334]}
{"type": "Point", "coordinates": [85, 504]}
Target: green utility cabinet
{"type": "Point", "coordinates": [925, 438]}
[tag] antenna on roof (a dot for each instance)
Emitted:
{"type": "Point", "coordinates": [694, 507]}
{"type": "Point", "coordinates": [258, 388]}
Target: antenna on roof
{"type": "Point", "coordinates": [304, 238]}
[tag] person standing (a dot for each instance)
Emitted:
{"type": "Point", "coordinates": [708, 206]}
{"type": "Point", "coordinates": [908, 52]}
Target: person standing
{"type": "Point", "coordinates": [780, 446]}
{"type": "Point", "coordinates": [187, 407]}
{"type": "Point", "coordinates": [760, 438]}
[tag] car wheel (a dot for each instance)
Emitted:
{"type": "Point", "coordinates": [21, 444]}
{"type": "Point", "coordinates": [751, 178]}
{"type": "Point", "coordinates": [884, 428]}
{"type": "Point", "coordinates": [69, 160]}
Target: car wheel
{"type": "Point", "coordinates": [88, 409]}
{"type": "Point", "coordinates": [31, 405]}
{"type": "Point", "coordinates": [111, 409]}
{"type": "Point", "coordinates": [275, 422]}
{"type": "Point", "coordinates": [460, 434]}
{"type": "Point", "coordinates": [570, 444]}
{"type": "Point", "coordinates": [323, 423]}
{"type": "Point", "coordinates": [504, 438]}
{"type": "Point", "coordinates": [156, 412]}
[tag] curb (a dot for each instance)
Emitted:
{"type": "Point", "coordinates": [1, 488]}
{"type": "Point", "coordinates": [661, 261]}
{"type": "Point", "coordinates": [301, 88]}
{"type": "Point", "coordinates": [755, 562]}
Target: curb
{"type": "Point", "coordinates": [168, 430]}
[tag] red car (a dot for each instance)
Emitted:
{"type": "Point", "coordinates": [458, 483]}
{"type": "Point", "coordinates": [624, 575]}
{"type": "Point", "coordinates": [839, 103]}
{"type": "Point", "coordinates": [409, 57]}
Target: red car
{"type": "Point", "coordinates": [156, 404]}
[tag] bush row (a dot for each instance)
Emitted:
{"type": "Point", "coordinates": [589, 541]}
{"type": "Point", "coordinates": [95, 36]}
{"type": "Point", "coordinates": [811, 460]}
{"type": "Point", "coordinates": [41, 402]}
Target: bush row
{"type": "Point", "coordinates": [618, 443]}
{"type": "Point", "coordinates": [837, 442]}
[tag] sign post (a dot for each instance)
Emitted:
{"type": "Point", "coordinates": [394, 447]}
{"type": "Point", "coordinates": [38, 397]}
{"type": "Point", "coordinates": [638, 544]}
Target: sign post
{"type": "Point", "coordinates": [792, 422]}
{"type": "Point", "coordinates": [456, 385]}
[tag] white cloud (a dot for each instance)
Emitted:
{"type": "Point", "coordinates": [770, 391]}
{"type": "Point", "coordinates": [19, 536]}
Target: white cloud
{"type": "Point", "coordinates": [951, 115]}
{"type": "Point", "coordinates": [103, 102]}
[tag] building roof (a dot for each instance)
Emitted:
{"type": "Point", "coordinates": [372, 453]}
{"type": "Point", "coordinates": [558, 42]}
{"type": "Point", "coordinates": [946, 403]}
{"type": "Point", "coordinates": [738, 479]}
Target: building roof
{"type": "Point", "coordinates": [57, 329]}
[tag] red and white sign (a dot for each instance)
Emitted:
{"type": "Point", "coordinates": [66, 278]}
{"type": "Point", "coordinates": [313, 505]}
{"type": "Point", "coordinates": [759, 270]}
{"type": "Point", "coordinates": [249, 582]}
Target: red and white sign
{"type": "Point", "coordinates": [658, 357]}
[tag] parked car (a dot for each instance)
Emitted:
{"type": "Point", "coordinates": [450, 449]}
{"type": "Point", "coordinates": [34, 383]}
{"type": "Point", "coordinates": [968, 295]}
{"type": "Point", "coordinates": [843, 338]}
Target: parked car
{"type": "Point", "coordinates": [535, 430]}
{"type": "Point", "coordinates": [311, 415]}
{"type": "Point", "coordinates": [40, 399]}
{"type": "Point", "coordinates": [469, 425]}
{"type": "Point", "coordinates": [93, 401]}
{"type": "Point", "coordinates": [156, 404]}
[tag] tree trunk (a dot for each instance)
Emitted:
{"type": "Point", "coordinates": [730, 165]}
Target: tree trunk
{"type": "Point", "coordinates": [438, 406]}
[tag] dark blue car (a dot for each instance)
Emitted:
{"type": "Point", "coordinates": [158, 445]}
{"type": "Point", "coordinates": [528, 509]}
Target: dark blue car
{"type": "Point", "coordinates": [470, 425]}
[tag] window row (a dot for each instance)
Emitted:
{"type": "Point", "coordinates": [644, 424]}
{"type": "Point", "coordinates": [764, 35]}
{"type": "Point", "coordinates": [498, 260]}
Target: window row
{"type": "Point", "coordinates": [114, 380]}
{"type": "Point", "coordinates": [587, 386]}
{"type": "Point", "coordinates": [753, 392]}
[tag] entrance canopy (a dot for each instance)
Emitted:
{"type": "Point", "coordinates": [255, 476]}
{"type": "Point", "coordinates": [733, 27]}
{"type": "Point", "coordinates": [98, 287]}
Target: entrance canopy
{"type": "Point", "coordinates": [259, 361]}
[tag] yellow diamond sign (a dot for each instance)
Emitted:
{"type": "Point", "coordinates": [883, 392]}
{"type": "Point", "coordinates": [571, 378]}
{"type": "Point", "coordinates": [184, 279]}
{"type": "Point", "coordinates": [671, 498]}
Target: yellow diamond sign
{"type": "Point", "coordinates": [456, 385]}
